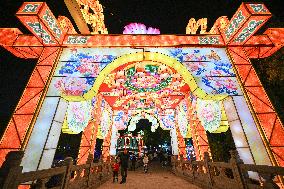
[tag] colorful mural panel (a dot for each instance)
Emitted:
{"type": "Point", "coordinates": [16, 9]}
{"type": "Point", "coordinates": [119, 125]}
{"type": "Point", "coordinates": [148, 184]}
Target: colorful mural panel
{"type": "Point", "coordinates": [167, 119]}
{"type": "Point", "coordinates": [106, 119]}
{"type": "Point", "coordinates": [209, 113]}
{"type": "Point", "coordinates": [78, 115]}
{"type": "Point", "coordinates": [119, 120]}
{"type": "Point", "coordinates": [181, 119]}
{"type": "Point", "coordinates": [210, 67]}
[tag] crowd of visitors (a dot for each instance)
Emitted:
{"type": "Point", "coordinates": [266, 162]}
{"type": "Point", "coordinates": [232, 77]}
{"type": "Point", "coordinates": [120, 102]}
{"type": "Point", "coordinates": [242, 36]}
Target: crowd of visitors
{"type": "Point", "coordinates": [125, 158]}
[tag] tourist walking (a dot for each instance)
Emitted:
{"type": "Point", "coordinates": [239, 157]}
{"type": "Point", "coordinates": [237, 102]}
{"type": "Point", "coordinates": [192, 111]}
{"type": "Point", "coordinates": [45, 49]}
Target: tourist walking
{"type": "Point", "coordinates": [133, 162]}
{"type": "Point", "coordinates": [162, 159]}
{"type": "Point", "coordinates": [155, 156]}
{"type": "Point", "coordinates": [124, 158]}
{"type": "Point", "coordinates": [145, 162]}
{"type": "Point", "coordinates": [165, 159]}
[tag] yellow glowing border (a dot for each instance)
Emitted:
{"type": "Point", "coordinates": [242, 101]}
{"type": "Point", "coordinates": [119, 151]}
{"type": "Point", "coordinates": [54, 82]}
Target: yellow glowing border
{"type": "Point", "coordinates": [65, 128]}
{"type": "Point", "coordinates": [151, 56]}
{"type": "Point", "coordinates": [224, 124]}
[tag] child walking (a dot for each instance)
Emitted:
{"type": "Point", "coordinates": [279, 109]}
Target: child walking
{"type": "Point", "coordinates": [115, 169]}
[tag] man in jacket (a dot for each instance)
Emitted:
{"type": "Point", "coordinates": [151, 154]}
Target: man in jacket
{"type": "Point", "coordinates": [124, 158]}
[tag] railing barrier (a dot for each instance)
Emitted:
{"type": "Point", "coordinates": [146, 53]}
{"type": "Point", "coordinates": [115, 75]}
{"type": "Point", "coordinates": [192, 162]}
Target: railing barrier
{"type": "Point", "coordinates": [66, 176]}
{"type": "Point", "coordinates": [232, 175]}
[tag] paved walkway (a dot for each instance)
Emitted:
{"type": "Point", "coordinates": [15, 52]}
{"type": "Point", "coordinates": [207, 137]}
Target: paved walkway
{"type": "Point", "coordinates": [157, 178]}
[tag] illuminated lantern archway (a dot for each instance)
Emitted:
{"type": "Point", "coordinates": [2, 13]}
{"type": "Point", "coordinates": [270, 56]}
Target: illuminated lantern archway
{"type": "Point", "coordinates": [215, 66]}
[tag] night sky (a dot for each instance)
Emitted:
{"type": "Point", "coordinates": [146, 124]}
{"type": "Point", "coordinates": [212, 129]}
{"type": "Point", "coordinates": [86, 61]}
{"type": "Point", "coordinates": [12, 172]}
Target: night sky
{"type": "Point", "coordinates": [170, 16]}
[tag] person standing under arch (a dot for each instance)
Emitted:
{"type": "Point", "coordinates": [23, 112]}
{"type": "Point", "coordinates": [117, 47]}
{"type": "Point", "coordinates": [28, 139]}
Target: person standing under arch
{"type": "Point", "coordinates": [124, 158]}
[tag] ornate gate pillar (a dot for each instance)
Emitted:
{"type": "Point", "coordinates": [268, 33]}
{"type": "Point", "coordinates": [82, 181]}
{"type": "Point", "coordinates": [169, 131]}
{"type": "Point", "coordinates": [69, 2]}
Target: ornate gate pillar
{"type": "Point", "coordinates": [106, 145]}
{"type": "Point", "coordinates": [181, 144]}
{"type": "Point", "coordinates": [264, 116]}
{"type": "Point", "coordinates": [113, 141]}
{"type": "Point", "coordinates": [174, 141]}
{"type": "Point", "coordinates": [198, 133]}
{"type": "Point", "coordinates": [89, 135]}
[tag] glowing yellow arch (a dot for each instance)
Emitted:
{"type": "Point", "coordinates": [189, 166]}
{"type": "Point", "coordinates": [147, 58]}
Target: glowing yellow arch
{"type": "Point", "coordinates": [142, 56]}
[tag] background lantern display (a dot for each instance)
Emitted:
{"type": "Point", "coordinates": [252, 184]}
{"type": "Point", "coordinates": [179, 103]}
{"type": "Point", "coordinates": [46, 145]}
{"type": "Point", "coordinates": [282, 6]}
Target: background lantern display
{"type": "Point", "coordinates": [130, 142]}
{"type": "Point", "coordinates": [167, 119]}
{"type": "Point", "coordinates": [143, 115]}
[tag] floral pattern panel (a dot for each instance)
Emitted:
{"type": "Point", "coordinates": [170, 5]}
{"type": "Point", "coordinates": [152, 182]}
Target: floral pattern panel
{"type": "Point", "coordinates": [78, 68]}
{"type": "Point", "coordinates": [182, 120]}
{"type": "Point", "coordinates": [147, 78]}
{"type": "Point", "coordinates": [106, 119]}
{"type": "Point", "coordinates": [144, 85]}
{"type": "Point", "coordinates": [78, 115]}
{"type": "Point", "coordinates": [119, 120]}
{"type": "Point", "coordinates": [209, 113]}
{"type": "Point", "coordinates": [167, 119]}
{"type": "Point", "coordinates": [78, 73]}
{"type": "Point", "coordinates": [83, 64]}
{"type": "Point", "coordinates": [210, 67]}
{"type": "Point", "coordinates": [73, 86]}
{"type": "Point", "coordinates": [105, 123]}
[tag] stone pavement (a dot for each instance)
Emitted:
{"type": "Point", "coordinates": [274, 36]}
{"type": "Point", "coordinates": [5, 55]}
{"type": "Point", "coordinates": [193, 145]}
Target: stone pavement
{"type": "Point", "coordinates": [157, 178]}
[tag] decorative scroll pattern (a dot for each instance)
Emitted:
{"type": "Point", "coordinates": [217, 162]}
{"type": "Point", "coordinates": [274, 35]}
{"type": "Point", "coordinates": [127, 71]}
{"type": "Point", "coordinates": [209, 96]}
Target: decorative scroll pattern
{"type": "Point", "coordinates": [209, 40]}
{"type": "Point", "coordinates": [258, 8]}
{"type": "Point", "coordinates": [92, 12]}
{"type": "Point", "coordinates": [40, 32]}
{"type": "Point", "coordinates": [77, 40]}
{"type": "Point", "coordinates": [235, 23]}
{"type": "Point", "coordinates": [50, 20]}
{"type": "Point", "coordinates": [247, 31]}
{"type": "Point", "coordinates": [31, 8]}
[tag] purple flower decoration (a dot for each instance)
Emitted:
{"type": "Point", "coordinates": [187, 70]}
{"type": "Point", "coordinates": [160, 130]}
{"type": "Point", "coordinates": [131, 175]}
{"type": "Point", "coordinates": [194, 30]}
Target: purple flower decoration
{"type": "Point", "coordinates": [138, 28]}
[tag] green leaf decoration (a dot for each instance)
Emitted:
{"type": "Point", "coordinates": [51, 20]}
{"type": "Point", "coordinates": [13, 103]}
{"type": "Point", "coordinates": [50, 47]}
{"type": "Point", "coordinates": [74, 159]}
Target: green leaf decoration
{"type": "Point", "coordinates": [130, 72]}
